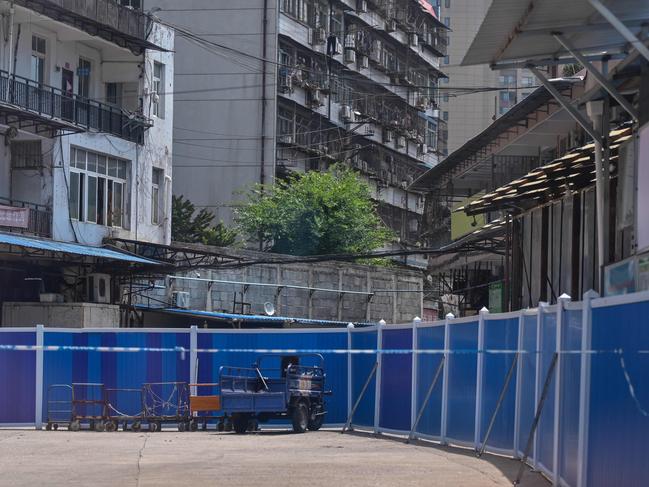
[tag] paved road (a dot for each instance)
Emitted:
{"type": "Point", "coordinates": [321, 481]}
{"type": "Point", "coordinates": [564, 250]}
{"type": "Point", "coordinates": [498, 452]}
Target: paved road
{"type": "Point", "coordinates": [267, 459]}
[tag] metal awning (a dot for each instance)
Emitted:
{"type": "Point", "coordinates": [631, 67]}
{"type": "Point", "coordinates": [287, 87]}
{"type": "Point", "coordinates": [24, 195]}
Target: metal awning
{"type": "Point", "coordinates": [476, 149]}
{"type": "Point", "coordinates": [572, 172]}
{"type": "Point", "coordinates": [50, 248]}
{"type": "Point", "coordinates": [273, 321]}
{"type": "Point", "coordinates": [517, 32]}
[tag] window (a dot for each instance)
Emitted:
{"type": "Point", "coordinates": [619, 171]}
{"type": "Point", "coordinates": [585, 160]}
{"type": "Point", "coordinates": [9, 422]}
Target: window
{"type": "Point", "coordinates": [39, 50]}
{"type": "Point", "coordinates": [83, 72]}
{"type": "Point", "coordinates": [158, 90]}
{"type": "Point", "coordinates": [26, 154]}
{"type": "Point", "coordinates": [135, 4]}
{"type": "Point", "coordinates": [447, 21]}
{"type": "Point", "coordinates": [157, 191]}
{"type": "Point", "coordinates": [431, 135]}
{"type": "Point", "coordinates": [447, 3]}
{"type": "Point", "coordinates": [445, 97]}
{"type": "Point", "coordinates": [528, 81]}
{"type": "Point", "coordinates": [445, 115]}
{"type": "Point", "coordinates": [114, 93]}
{"type": "Point", "coordinates": [447, 59]}
{"type": "Point", "coordinates": [97, 188]}
{"type": "Point", "coordinates": [296, 9]}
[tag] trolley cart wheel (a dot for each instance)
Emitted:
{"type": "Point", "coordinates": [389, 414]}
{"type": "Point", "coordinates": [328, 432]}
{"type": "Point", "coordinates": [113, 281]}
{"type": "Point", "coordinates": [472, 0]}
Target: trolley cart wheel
{"type": "Point", "coordinates": [74, 425]}
{"type": "Point", "coordinates": [300, 418]}
{"type": "Point", "coordinates": [48, 427]}
{"type": "Point", "coordinates": [124, 426]}
{"type": "Point", "coordinates": [55, 426]}
{"type": "Point", "coordinates": [228, 425]}
{"type": "Point", "coordinates": [111, 426]}
{"type": "Point", "coordinates": [240, 423]}
{"type": "Point", "coordinates": [193, 426]}
{"type": "Point", "coordinates": [100, 426]}
{"type": "Point", "coordinates": [182, 427]}
{"type": "Point", "coordinates": [153, 427]}
{"type": "Point", "coordinates": [158, 426]}
{"type": "Point", "coordinates": [91, 426]}
{"type": "Point", "coordinates": [137, 426]}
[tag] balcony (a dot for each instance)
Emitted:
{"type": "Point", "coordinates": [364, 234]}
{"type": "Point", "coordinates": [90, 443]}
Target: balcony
{"type": "Point", "coordinates": [107, 19]}
{"type": "Point", "coordinates": [23, 217]}
{"type": "Point", "coordinates": [44, 109]}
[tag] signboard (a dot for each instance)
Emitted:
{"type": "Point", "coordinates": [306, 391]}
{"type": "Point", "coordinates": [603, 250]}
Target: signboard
{"type": "Point", "coordinates": [461, 223]}
{"type": "Point", "coordinates": [643, 273]}
{"type": "Point", "coordinates": [14, 217]}
{"type": "Point", "coordinates": [496, 297]}
{"type": "Point", "coordinates": [620, 278]}
{"type": "Point", "coordinates": [642, 222]}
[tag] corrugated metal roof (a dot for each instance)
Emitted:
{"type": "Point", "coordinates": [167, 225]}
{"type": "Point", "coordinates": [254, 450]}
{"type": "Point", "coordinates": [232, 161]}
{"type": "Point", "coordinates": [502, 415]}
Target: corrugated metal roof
{"type": "Point", "coordinates": [515, 30]}
{"type": "Point", "coordinates": [274, 320]}
{"type": "Point", "coordinates": [71, 248]}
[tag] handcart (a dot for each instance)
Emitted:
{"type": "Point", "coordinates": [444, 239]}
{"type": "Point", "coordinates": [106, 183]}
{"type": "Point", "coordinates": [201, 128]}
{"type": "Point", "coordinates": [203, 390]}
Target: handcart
{"type": "Point", "coordinates": [59, 406]}
{"type": "Point", "coordinates": [88, 405]}
{"type": "Point", "coordinates": [124, 406]}
{"type": "Point", "coordinates": [204, 406]}
{"type": "Point", "coordinates": [165, 402]}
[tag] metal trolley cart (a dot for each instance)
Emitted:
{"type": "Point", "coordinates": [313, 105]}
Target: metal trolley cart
{"type": "Point", "coordinates": [59, 406]}
{"type": "Point", "coordinates": [203, 406]}
{"type": "Point", "coordinates": [124, 406]}
{"type": "Point", "coordinates": [88, 405]}
{"type": "Point", "coordinates": [165, 402]}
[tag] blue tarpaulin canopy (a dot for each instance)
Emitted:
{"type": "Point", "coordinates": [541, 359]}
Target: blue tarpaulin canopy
{"type": "Point", "coordinates": [71, 248]}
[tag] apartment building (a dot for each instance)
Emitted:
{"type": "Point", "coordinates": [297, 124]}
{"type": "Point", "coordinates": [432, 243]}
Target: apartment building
{"type": "Point", "coordinates": [86, 121]}
{"type": "Point", "coordinates": [466, 113]}
{"type": "Point", "coordinates": [345, 81]}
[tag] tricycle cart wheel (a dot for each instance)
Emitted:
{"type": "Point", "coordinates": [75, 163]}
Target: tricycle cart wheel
{"type": "Point", "coordinates": [124, 426]}
{"type": "Point", "coordinates": [228, 425]}
{"type": "Point", "coordinates": [300, 418]}
{"type": "Point", "coordinates": [111, 426]}
{"type": "Point", "coordinates": [316, 420]}
{"type": "Point", "coordinates": [74, 425]}
{"type": "Point", "coordinates": [193, 426]}
{"type": "Point", "coordinates": [100, 426]}
{"type": "Point", "coordinates": [182, 427]}
{"type": "Point", "coordinates": [48, 427]}
{"type": "Point", "coordinates": [136, 426]}
{"type": "Point", "coordinates": [55, 426]}
{"type": "Point", "coordinates": [204, 425]}
{"type": "Point", "coordinates": [240, 423]}
{"type": "Point", "coordinates": [220, 426]}
{"type": "Point", "coordinates": [153, 427]}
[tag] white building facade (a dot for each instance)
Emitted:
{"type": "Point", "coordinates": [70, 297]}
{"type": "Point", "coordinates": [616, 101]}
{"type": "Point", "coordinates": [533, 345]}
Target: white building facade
{"type": "Point", "coordinates": [86, 120]}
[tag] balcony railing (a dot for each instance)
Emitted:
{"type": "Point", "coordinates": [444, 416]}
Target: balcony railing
{"type": "Point", "coordinates": [108, 19]}
{"type": "Point", "coordinates": [67, 109]}
{"type": "Point", "coordinates": [39, 218]}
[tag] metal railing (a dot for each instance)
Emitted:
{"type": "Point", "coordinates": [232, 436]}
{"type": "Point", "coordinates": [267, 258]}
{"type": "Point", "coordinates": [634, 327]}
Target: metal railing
{"type": "Point", "coordinates": [55, 104]}
{"type": "Point", "coordinates": [40, 218]}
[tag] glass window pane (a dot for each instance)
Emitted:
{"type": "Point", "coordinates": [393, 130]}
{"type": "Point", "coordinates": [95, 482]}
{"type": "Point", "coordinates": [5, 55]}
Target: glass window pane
{"type": "Point", "coordinates": [74, 195]}
{"type": "Point", "coordinates": [81, 159]}
{"type": "Point", "coordinates": [73, 156]}
{"type": "Point", "coordinates": [92, 162]}
{"type": "Point", "coordinates": [92, 199]}
{"type": "Point", "coordinates": [118, 199]}
{"type": "Point", "coordinates": [101, 201]}
{"type": "Point", "coordinates": [122, 170]}
{"type": "Point", "coordinates": [112, 167]}
{"type": "Point", "coordinates": [101, 164]}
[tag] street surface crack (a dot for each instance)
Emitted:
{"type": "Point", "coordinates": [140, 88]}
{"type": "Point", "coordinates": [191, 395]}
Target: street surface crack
{"type": "Point", "coordinates": [139, 459]}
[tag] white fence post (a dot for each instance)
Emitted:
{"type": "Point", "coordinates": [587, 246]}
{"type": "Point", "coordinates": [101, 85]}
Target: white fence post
{"type": "Point", "coordinates": [38, 406]}
{"type": "Point", "coordinates": [556, 448]}
{"type": "Point", "coordinates": [584, 388]}
{"type": "Point", "coordinates": [479, 377]}
{"type": "Point", "coordinates": [538, 375]}
{"type": "Point", "coordinates": [193, 356]}
{"type": "Point", "coordinates": [519, 384]}
{"type": "Point", "coordinates": [415, 365]}
{"type": "Point", "coordinates": [444, 416]}
{"type": "Point", "coordinates": [377, 381]}
{"type": "Point", "coordinates": [350, 376]}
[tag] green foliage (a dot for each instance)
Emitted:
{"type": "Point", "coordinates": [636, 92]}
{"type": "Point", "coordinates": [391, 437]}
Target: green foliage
{"type": "Point", "coordinates": [314, 214]}
{"type": "Point", "coordinates": [189, 226]}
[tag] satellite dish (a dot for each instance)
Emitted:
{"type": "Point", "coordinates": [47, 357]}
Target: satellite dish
{"type": "Point", "coordinates": [269, 309]}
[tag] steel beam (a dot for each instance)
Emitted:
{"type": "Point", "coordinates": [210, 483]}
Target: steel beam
{"type": "Point", "coordinates": [621, 28]}
{"type": "Point", "coordinates": [601, 79]}
{"type": "Point", "coordinates": [574, 113]}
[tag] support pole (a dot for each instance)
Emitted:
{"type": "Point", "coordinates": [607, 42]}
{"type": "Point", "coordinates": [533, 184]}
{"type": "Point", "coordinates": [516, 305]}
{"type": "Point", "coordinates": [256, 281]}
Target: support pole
{"type": "Point", "coordinates": [556, 448]}
{"type": "Point", "coordinates": [537, 418]}
{"type": "Point", "coordinates": [38, 406]}
{"type": "Point", "coordinates": [601, 79]}
{"type": "Point", "coordinates": [429, 393]}
{"type": "Point", "coordinates": [519, 382]}
{"type": "Point", "coordinates": [379, 363]}
{"type": "Point", "coordinates": [484, 312]}
{"type": "Point", "coordinates": [348, 423]}
{"type": "Point", "coordinates": [621, 28]}
{"type": "Point", "coordinates": [193, 357]}
{"type": "Point", "coordinates": [350, 375]}
{"type": "Point", "coordinates": [501, 398]}
{"type": "Point", "coordinates": [414, 371]}
{"type": "Point", "coordinates": [444, 416]}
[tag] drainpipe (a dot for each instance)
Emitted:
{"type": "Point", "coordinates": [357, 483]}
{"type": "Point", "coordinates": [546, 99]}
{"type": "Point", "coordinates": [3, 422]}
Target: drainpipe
{"type": "Point", "coordinates": [12, 13]}
{"type": "Point", "coordinates": [262, 171]}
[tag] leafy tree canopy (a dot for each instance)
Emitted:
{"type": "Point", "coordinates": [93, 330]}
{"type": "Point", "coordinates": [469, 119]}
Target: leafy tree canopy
{"type": "Point", "coordinates": [314, 213]}
{"type": "Point", "coordinates": [189, 226]}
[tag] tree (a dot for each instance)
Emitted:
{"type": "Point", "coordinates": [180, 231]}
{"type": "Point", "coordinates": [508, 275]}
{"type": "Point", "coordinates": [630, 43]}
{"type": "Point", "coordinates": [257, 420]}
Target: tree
{"type": "Point", "coordinates": [314, 213]}
{"type": "Point", "coordinates": [189, 226]}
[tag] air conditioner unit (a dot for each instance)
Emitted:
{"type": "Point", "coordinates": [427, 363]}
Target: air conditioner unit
{"type": "Point", "coordinates": [413, 39]}
{"type": "Point", "coordinates": [364, 62]}
{"type": "Point", "coordinates": [401, 142]}
{"type": "Point", "coordinates": [361, 6]}
{"type": "Point", "coordinates": [316, 99]}
{"type": "Point", "coordinates": [391, 25]}
{"type": "Point", "coordinates": [350, 56]}
{"type": "Point", "coordinates": [318, 35]}
{"type": "Point", "coordinates": [99, 288]}
{"type": "Point", "coordinates": [388, 136]}
{"type": "Point", "coordinates": [346, 113]}
{"type": "Point", "coordinates": [180, 299]}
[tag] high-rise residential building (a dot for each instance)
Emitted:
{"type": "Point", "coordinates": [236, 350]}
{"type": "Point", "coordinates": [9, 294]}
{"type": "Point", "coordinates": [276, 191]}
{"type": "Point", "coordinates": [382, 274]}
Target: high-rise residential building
{"type": "Point", "coordinates": [468, 113]}
{"type": "Point", "coordinates": [269, 88]}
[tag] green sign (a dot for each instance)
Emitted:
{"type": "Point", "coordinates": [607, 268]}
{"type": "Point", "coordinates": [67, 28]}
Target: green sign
{"type": "Point", "coordinates": [496, 297]}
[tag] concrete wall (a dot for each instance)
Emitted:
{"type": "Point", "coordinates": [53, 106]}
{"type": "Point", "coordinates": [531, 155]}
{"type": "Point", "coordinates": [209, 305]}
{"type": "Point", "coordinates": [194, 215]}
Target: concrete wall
{"type": "Point", "coordinates": [63, 315]}
{"type": "Point", "coordinates": [393, 307]}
